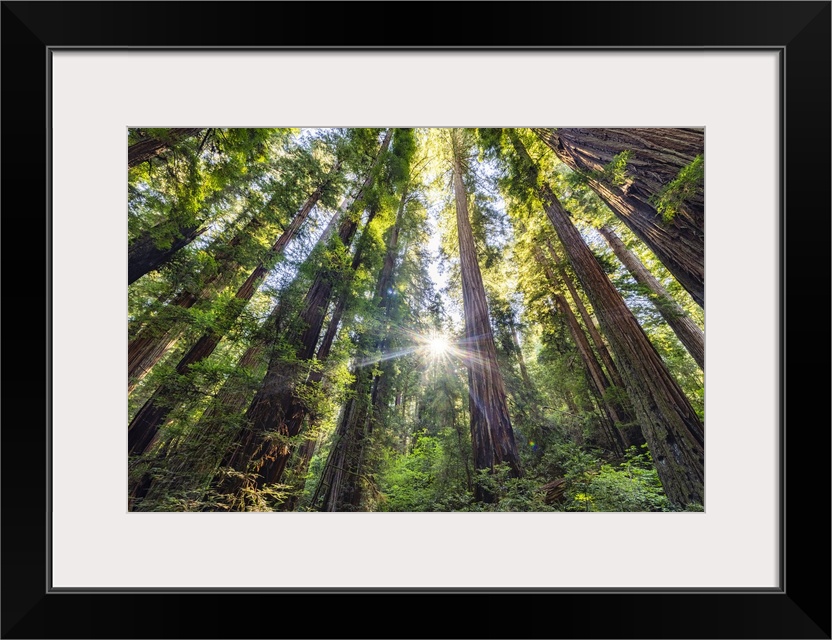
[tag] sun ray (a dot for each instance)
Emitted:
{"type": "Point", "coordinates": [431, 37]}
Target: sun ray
{"type": "Point", "coordinates": [398, 353]}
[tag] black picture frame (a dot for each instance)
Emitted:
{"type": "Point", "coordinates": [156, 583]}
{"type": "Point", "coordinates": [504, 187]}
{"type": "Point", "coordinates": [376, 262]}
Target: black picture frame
{"type": "Point", "coordinates": [800, 608]}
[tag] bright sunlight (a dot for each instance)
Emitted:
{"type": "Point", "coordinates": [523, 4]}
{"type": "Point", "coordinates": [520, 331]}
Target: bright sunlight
{"type": "Point", "coordinates": [437, 345]}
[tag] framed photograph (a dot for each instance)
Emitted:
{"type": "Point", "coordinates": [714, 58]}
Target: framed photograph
{"type": "Point", "coordinates": [79, 561]}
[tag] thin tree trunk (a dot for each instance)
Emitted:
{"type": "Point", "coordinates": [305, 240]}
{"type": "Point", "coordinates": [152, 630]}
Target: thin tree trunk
{"type": "Point", "coordinates": [300, 469]}
{"type": "Point", "coordinates": [597, 340]}
{"type": "Point", "coordinates": [460, 439]}
{"type": "Point", "coordinates": [600, 383]}
{"type": "Point", "coordinates": [688, 332]}
{"type": "Point", "coordinates": [570, 401]}
{"type": "Point", "coordinates": [148, 148]}
{"type": "Point", "coordinates": [521, 361]}
{"type": "Point", "coordinates": [670, 425]}
{"type": "Point", "coordinates": [608, 426]}
{"type": "Point", "coordinates": [658, 155]}
{"type": "Point", "coordinates": [491, 432]}
{"type": "Point", "coordinates": [619, 412]}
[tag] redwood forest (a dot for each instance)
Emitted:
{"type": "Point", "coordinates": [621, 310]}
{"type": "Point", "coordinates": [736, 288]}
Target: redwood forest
{"type": "Point", "coordinates": [413, 320]}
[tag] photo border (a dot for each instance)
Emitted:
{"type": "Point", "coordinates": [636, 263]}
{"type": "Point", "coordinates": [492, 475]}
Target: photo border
{"type": "Point", "coordinates": [31, 30]}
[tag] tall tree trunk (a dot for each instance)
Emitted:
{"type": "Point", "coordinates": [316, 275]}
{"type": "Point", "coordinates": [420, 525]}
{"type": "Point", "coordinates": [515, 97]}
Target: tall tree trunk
{"type": "Point", "coordinates": [338, 488]}
{"type": "Point", "coordinates": [274, 465]}
{"type": "Point", "coordinates": [597, 340]}
{"type": "Point", "coordinates": [688, 332]}
{"type": "Point", "coordinates": [491, 432]}
{"type": "Point", "coordinates": [670, 425]}
{"type": "Point", "coordinates": [190, 468]}
{"type": "Point", "coordinates": [599, 381]}
{"type": "Point", "coordinates": [274, 405]}
{"type": "Point", "coordinates": [158, 335]}
{"type": "Point", "coordinates": [295, 413]}
{"type": "Point", "coordinates": [618, 417]}
{"type": "Point", "coordinates": [148, 148]}
{"type": "Point", "coordinates": [657, 156]}
{"type": "Point", "coordinates": [630, 432]}
{"type": "Point", "coordinates": [154, 413]}
{"type": "Point", "coordinates": [296, 409]}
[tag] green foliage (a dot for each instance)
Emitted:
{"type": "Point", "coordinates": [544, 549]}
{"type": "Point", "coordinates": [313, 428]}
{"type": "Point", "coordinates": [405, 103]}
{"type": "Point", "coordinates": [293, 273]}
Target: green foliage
{"type": "Point", "coordinates": [681, 188]}
{"type": "Point", "coordinates": [606, 261]}
{"type": "Point", "coordinates": [510, 494]}
{"type": "Point", "coordinates": [632, 485]}
{"type": "Point", "coordinates": [614, 172]}
{"type": "Point", "coordinates": [403, 150]}
{"type": "Point", "coordinates": [409, 484]}
{"type": "Point", "coordinates": [490, 141]}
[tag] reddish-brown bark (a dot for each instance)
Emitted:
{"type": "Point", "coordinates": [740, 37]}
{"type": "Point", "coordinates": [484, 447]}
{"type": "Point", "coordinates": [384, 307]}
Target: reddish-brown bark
{"type": "Point", "coordinates": [491, 432]}
{"type": "Point", "coordinates": [275, 410]}
{"type": "Point", "coordinates": [154, 413]}
{"type": "Point", "coordinates": [688, 332]}
{"type": "Point", "coordinates": [671, 427]}
{"type": "Point", "coordinates": [657, 155]}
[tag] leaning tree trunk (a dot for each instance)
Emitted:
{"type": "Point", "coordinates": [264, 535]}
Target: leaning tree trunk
{"type": "Point", "coordinates": [275, 461]}
{"type": "Point", "coordinates": [670, 425]}
{"type": "Point", "coordinates": [144, 255]}
{"type": "Point", "coordinates": [274, 403]}
{"type": "Point", "coordinates": [189, 469]}
{"type": "Point", "coordinates": [597, 340]}
{"type": "Point", "coordinates": [618, 416]}
{"type": "Point", "coordinates": [295, 409]}
{"type": "Point", "coordinates": [657, 156]}
{"type": "Point", "coordinates": [630, 431]}
{"type": "Point", "coordinates": [491, 432]}
{"type": "Point", "coordinates": [150, 346]}
{"type": "Point", "coordinates": [144, 150]}
{"type": "Point", "coordinates": [688, 332]}
{"type": "Point", "coordinates": [154, 413]}
{"type": "Point", "coordinates": [600, 383]}
{"type": "Point", "coordinates": [158, 335]}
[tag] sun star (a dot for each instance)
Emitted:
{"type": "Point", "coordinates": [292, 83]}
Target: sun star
{"type": "Point", "coordinates": [437, 345]}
